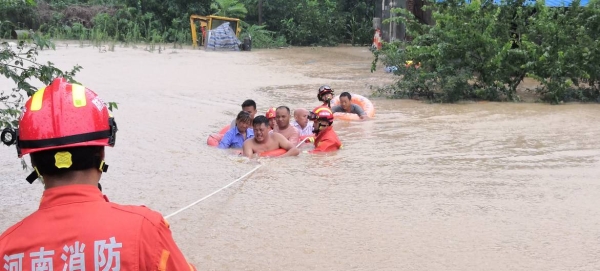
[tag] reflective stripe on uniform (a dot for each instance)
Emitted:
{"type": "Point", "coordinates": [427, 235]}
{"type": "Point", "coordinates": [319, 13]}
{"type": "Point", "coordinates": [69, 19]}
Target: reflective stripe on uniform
{"type": "Point", "coordinates": [164, 257]}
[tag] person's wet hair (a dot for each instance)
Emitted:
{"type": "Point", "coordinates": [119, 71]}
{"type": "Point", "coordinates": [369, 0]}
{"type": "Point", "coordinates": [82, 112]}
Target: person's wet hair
{"type": "Point", "coordinates": [249, 102]}
{"type": "Point", "coordinates": [347, 95]}
{"type": "Point", "coordinates": [243, 116]}
{"type": "Point", "coordinates": [81, 158]}
{"type": "Point", "coordinates": [260, 120]}
{"type": "Point", "coordinates": [284, 107]}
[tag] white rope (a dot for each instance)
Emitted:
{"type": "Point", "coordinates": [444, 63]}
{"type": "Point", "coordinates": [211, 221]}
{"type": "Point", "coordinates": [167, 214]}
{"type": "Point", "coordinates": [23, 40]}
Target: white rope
{"type": "Point", "coordinates": [219, 190]}
{"type": "Point", "coordinates": [209, 195]}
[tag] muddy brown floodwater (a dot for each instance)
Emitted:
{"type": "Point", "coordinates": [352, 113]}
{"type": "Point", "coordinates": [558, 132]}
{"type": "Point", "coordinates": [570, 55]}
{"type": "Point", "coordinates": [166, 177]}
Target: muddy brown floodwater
{"type": "Point", "coordinates": [480, 186]}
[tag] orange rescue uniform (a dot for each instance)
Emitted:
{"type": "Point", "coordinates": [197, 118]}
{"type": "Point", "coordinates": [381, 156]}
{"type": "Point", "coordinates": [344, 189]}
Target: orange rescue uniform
{"type": "Point", "coordinates": [326, 141]}
{"type": "Point", "coordinates": [76, 228]}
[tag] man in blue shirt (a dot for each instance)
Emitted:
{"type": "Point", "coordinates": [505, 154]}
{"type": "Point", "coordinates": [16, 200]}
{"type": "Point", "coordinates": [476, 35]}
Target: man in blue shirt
{"type": "Point", "coordinates": [235, 137]}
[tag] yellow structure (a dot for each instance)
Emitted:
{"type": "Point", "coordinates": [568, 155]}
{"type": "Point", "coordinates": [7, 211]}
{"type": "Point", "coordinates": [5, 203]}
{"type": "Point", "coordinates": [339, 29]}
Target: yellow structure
{"type": "Point", "coordinates": [211, 22]}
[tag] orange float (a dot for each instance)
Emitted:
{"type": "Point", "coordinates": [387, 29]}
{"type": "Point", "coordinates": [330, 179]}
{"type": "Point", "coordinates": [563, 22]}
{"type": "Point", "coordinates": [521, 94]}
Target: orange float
{"type": "Point", "coordinates": [273, 153]}
{"type": "Point", "coordinates": [359, 100]}
{"type": "Point", "coordinates": [214, 139]}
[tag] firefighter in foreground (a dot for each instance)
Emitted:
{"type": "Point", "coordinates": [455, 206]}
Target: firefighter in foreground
{"type": "Point", "coordinates": [64, 128]}
{"type": "Point", "coordinates": [326, 139]}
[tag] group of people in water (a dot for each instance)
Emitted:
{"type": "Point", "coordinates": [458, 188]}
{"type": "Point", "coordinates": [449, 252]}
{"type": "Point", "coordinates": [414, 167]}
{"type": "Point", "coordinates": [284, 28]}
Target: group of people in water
{"type": "Point", "coordinates": [70, 162]}
{"type": "Point", "coordinates": [256, 135]}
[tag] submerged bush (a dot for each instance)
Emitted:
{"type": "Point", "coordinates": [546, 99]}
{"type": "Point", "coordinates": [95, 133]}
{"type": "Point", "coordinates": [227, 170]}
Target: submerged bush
{"type": "Point", "coordinates": [484, 51]}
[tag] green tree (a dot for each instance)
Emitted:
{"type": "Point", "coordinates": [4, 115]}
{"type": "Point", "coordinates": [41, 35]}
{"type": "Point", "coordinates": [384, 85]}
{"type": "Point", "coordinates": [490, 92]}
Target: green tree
{"type": "Point", "coordinates": [18, 63]}
{"type": "Point", "coordinates": [480, 50]}
{"type": "Point", "coordinates": [229, 8]}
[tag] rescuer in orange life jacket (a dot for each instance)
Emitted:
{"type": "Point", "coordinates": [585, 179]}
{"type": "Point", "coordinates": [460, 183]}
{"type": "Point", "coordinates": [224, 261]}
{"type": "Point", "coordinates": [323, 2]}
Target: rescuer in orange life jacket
{"type": "Point", "coordinates": [326, 139]}
{"type": "Point", "coordinates": [64, 128]}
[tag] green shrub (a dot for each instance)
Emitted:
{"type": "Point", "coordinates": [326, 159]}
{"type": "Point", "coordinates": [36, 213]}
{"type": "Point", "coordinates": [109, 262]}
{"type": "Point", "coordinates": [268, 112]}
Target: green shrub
{"type": "Point", "coordinates": [484, 51]}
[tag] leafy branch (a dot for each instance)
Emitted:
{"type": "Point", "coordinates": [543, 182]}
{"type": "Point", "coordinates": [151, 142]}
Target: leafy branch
{"type": "Point", "coordinates": [18, 62]}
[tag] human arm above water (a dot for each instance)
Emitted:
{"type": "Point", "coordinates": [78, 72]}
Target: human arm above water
{"type": "Point", "coordinates": [325, 146]}
{"type": "Point", "coordinates": [295, 138]}
{"type": "Point", "coordinates": [227, 140]}
{"type": "Point", "coordinates": [247, 148]}
{"type": "Point", "coordinates": [286, 144]}
{"type": "Point", "coordinates": [356, 109]}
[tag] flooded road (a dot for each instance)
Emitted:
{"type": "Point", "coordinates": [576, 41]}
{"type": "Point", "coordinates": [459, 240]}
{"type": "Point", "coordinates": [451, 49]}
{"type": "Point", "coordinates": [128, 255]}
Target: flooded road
{"type": "Point", "coordinates": [481, 186]}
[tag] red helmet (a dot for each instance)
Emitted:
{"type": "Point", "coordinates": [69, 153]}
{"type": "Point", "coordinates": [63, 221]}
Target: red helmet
{"type": "Point", "coordinates": [64, 115]}
{"type": "Point", "coordinates": [271, 113]}
{"type": "Point", "coordinates": [321, 112]}
{"type": "Point", "coordinates": [324, 90]}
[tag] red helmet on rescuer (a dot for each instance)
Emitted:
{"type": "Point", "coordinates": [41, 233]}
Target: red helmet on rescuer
{"type": "Point", "coordinates": [271, 113]}
{"type": "Point", "coordinates": [324, 90]}
{"type": "Point", "coordinates": [62, 115]}
{"type": "Point", "coordinates": [321, 112]}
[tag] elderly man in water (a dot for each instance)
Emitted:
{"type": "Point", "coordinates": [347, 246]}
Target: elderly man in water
{"type": "Point", "coordinates": [282, 117]}
{"type": "Point", "coordinates": [264, 141]}
{"type": "Point", "coordinates": [301, 123]}
{"type": "Point", "coordinates": [346, 106]}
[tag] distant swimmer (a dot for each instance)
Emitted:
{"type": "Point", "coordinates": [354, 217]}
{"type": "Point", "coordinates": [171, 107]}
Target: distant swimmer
{"type": "Point", "coordinates": [271, 113]}
{"type": "Point", "coordinates": [326, 139]}
{"type": "Point", "coordinates": [240, 132]}
{"type": "Point", "coordinates": [301, 123]}
{"type": "Point", "coordinates": [264, 141]}
{"type": "Point", "coordinates": [346, 106]}
{"type": "Point", "coordinates": [248, 106]}
{"type": "Point", "coordinates": [325, 95]}
{"type": "Point", "coordinates": [283, 125]}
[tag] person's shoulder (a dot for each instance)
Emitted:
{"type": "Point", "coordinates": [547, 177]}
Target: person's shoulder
{"type": "Point", "coordinates": [10, 230]}
{"type": "Point", "coordinates": [249, 141]}
{"type": "Point", "coordinates": [142, 212]}
{"type": "Point", "coordinates": [231, 131]}
{"type": "Point", "coordinates": [278, 137]}
{"type": "Point", "coordinates": [357, 109]}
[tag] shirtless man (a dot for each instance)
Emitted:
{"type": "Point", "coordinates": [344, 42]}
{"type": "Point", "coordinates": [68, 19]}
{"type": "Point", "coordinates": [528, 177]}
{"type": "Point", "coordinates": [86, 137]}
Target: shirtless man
{"type": "Point", "coordinates": [282, 116]}
{"type": "Point", "coordinates": [264, 141]}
